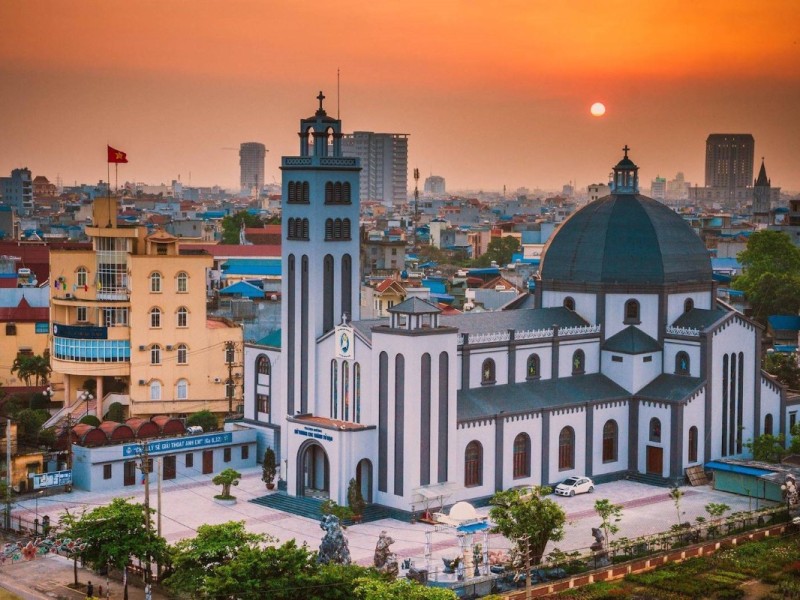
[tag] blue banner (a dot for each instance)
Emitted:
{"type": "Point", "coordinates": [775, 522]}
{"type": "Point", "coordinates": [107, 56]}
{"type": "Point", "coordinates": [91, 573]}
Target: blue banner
{"type": "Point", "coordinates": [178, 444]}
{"type": "Point", "coordinates": [48, 480]}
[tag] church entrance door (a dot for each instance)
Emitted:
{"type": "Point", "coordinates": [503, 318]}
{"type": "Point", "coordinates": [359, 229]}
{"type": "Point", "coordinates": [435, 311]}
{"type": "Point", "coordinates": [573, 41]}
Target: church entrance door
{"type": "Point", "coordinates": [313, 477]}
{"type": "Point", "coordinates": [655, 460]}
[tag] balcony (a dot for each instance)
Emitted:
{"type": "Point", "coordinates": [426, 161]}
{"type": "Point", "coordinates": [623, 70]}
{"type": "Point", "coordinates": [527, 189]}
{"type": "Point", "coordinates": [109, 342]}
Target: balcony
{"type": "Point", "coordinates": [91, 350]}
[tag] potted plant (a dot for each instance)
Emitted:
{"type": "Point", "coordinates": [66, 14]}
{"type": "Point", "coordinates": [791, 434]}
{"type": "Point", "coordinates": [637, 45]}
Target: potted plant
{"type": "Point", "coordinates": [270, 469]}
{"type": "Point", "coordinates": [226, 479]}
{"type": "Point", "coordinates": [355, 500]}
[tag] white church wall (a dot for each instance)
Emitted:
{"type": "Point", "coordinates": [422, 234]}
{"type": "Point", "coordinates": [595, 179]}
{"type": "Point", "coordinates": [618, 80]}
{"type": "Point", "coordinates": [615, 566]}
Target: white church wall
{"type": "Point", "coordinates": [671, 349]}
{"type": "Point", "coordinates": [566, 352]}
{"type": "Point", "coordinates": [476, 360]}
{"type": "Point", "coordinates": [646, 367]}
{"type": "Point", "coordinates": [618, 411]}
{"type": "Point", "coordinates": [483, 432]}
{"type": "Point", "coordinates": [694, 416]}
{"type": "Point", "coordinates": [585, 304]}
{"type": "Point", "coordinates": [771, 405]}
{"type": "Point", "coordinates": [648, 411]}
{"type": "Point", "coordinates": [676, 303]}
{"type": "Point", "coordinates": [575, 418]}
{"type": "Point", "coordinates": [733, 337]}
{"type": "Point", "coordinates": [619, 368]}
{"type": "Point", "coordinates": [615, 313]}
{"type": "Point", "coordinates": [545, 353]}
{"type": "Point", "coordinates": [513, 426]}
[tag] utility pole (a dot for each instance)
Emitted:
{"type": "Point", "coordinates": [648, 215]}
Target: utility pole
{"type": "Point", "coordinates": [145, 467]}
{"type": "Point", "coordinates": [416, 205]}
{"type": "Point", "coordinates": [8, 474]}
{"type": "Point", "coordinates": [160, 476]}
{"type": "Point", "coordinates": [525, 541]}
{"type": "Point", "coordinates": [230, 386]}
{"type": "Point", "coordinates": [68, 431]}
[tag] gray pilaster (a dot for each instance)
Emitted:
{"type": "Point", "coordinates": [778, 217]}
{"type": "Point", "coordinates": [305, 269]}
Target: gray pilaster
{"type": "Point", "coordinates": [676, 440]}
{"type": "Point", "coordinates": [589, 438]}
{"type": "Point", "coordinates": [600, 317]}
{"type": "Point", "coordinates": [706, 375]}
{"type": "Point", "coordinates": [512, 357]}
{"type": "Point", "coordinates": [662, 315]}
{"type": "Point", "coordinates": [465, 363]}
{"type": "Point", "coordinates": [554, 361]}
{"type": "Point", "coordinates": [757, 419]}
{"type": "Point", "coordinates": [399, 422]}
{"type": "Point", "coordinates": [633, 435]}
{"type": "Point", "coordinates": [545, 447]}
{"type": "Point", "coordinates": [499, 423]}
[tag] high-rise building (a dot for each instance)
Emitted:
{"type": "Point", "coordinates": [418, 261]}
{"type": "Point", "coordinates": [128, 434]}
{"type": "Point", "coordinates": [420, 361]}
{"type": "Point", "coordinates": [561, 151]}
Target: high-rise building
{"type": "Point", "coordinates": [658, 188]}
{"type": "Point", "coordinates": [384, 165]}
{"type": "Point", "coordinates": [251, 165]}
{"type": "Point", "coordinates": [17, 191]}
{"type": "Point", "coordinates": [729, 160]}
{"type": "Point", "coordinates": [434, 185]}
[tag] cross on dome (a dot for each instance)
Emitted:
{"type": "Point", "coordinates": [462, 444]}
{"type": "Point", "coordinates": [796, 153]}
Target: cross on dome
{"type": "Point", "coordinates": [624, 149]}
{"type": "Point", "coordinates": [321, 97]}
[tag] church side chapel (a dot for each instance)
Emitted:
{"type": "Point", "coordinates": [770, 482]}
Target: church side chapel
{"type": "Point", "coordinates": [628, 364]}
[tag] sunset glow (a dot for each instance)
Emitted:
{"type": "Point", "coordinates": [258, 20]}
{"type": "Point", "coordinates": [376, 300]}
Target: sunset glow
{"type": "Point", "coordinates": [175, 82]}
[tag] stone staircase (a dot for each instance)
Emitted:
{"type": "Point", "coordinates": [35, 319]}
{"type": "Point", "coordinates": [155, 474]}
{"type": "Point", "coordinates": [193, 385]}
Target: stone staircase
{"type": "Point", "coordinates": [75, 412]}
{"type": "Point", "coordinates": [656, 480]}
{"type": "Point", "coordinates": [311, 508]}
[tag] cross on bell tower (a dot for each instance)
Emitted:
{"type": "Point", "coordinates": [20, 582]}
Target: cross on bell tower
{"type": "Point", "coordinates": [626, 175]}
{"type": "Point", "coordinates": [320, 97]}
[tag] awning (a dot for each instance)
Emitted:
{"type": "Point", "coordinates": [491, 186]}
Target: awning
{"type": "Point", "coordinates": [434, 491]}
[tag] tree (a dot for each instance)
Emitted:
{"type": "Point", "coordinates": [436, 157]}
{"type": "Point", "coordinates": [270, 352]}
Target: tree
{"type": "Point", "coordinates": [767, 447]}
{"type": "Point", "coordinates": [115, 533]}
{"type": "Point", "coordinates": [500, 250]}
{"type": "Point", "coordinates": [794, 446]}
{"type": "Point", "coordinates": [676, 494]}
{"type": "Point", "coordinates": [30, 423]}
{"type": "Point", "coordinates": [401, 589]}
{"type": "Point", "coordinates": [771, 275]}
{"type": "Point", "coordinates": [610, 514]}
{"type": "Point", "coordinates": [193, 560]}
{"type": "Point", "coordinates": [784, 367]}
{"type": "Point", "coordinates": [232, 225]}
{"type": "Point", "coordinates": [116, 412]}
{"type": "Point", "coordinates": [204, 419]}
{"type": "Point", "coordinates": [270, 468]}
{"type": "Point", "coordinates": [227, 478]}
{"type": "Point", "coordinates": [34, 367]}
{"type": "Point", "coordinates": [90, 420]}
{"type": "Point", "coordinates": [526, 514]}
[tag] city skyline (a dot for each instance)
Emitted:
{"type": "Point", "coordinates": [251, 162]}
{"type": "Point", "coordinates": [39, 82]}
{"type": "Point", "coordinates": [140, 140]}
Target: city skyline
{"type": "Point", "coordinates": [489, 97]}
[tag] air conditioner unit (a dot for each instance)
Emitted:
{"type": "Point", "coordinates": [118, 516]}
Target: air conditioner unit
{"type": "Point", "coordinates": [169, 347]}
{"type": "Point", "coordinates": [217, 380]}
{"type": "Point", "coordinates": [142, 382]}
{"type": "Point", "coordinates": [142, 348]}
{"type": "Point", "coordinates": [70, 296]}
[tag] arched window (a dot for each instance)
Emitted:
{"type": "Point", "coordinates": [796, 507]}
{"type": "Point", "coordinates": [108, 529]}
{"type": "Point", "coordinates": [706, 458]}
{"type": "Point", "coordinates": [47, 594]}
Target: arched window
{"type": "Point", "coordinates": [182, 389]}
{"type": "Point", "coordinates": [610, 438]}
{"type": "Point", "coordinates": [262, 365]}
{"type": "Point", "coordinates": [346, 192]}
{"type": "Point", "coordinates": [290, 229]}
{"type": "Point", "coordinates": [655, 430]}
{"type": "Point", "coordinates": [632, 311]}
{"type": "Point", "coordinates": [292, 192]}
{"type": "Point", "coordinates": [569, 303]}
{"type": "Point", "coordinates": [81, 277]}
{"type": "Point", "coordinates": [183, 354]}
{"type": "Point", "coordinates": [309, 141]}
{"type": "Point", "coordinates": [522, 456]}
{"type": "Point", "coordinates": [306, 192]}
{"type": "Point", "coordinates": [155, 390]}
{"type": "Point", "coordinates": [155, 354]}
{"type": "Point", "coordinates": [768, 424]}
{"type": "Point", "coordinates": [532, 370]}
{"type": "Point", "coordinates": [155, 318]}
{"type": "Point", "coordinates": [566, 449]}
{"type": "Point", "coordinates": [182, 315]}
{"type": "Point", "coordinates": [345, 391]}
{"type": "Point", "coordinates": [357, 392]}
{"type": "Point", "coordinates": [578, 362]}
{"type": "Point", "coordinates": [346, 229]}
{"type": "Point", "coordinates": [337, 229]}
{"type": "Point", "coordinates": [328, 229]}
{"type": "Point", "coordinates": [681, 363]}
{"type": "Point", "coordinates": [334, 390]}
{"type": "Point", "coordinates": [155, 282]}
{"type": "Point", "coordinates": [328, 192]}
{"type": "Point", "coordinates": [688, 305]}
{"type": "Point", "coordinates": [693, 444]}
{"type": "Point", "coordinates": [182, 282]}
{"type": "Point", "coordinates": [487, 372]}
{"type": "Point", "coordinates": [473, 464]}
{"type": "Point", "coordinates": [337, 192]}
{"type": "Point", "coordinates": [305, 229]}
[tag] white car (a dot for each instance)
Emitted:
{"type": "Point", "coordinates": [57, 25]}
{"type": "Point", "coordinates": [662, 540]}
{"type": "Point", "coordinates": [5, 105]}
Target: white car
{"type": "Point", "coordinates": [575, 485]}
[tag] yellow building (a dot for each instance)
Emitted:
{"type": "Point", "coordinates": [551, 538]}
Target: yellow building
{"type": "Point", "coordinates": [24, 326]}
{"type": "Point", "coordinates": [130, 316]}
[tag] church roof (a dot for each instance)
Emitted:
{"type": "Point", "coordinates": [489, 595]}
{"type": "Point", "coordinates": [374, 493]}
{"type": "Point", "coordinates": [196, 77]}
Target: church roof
{"type": "Point", "coordinates": [700, 318]}
{"type": "Point", "coordinates": [415, 306]}
{"type": "Point", "coordinates": [762, 180]}
{"type": "Point", "coordinates": [530, 396]}
{"type": "Point", "coordinates": [632, 340]}
{"type": "Point", "coordinates": [625, 239]}
{"type": "Point", "coordinates": [670, 388]}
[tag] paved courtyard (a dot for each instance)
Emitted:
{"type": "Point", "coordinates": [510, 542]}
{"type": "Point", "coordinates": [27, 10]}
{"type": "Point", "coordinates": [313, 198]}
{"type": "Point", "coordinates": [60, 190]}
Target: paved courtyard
{"type": "Point", "coordinates": [189, 504]}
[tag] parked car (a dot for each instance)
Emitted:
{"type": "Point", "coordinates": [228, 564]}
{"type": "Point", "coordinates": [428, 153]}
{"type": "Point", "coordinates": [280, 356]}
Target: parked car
{"type": "Point", "coordinates": [575, 485]}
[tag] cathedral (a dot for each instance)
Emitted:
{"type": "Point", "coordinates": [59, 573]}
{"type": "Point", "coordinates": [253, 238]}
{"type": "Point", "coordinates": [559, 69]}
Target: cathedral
{"type": "Point", "coordinates": [623, 360]}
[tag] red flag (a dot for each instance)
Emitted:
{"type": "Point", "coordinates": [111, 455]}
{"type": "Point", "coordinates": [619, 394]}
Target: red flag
{"type": "Point", "coordinates": [116, 156]}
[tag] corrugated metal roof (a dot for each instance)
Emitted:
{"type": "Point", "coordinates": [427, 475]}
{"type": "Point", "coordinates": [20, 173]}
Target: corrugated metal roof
{"type": "Point", "coordinates": [632, 340]}
{"type": "Point", "coordinates": [699, 318]}
{"type": "Point", "coordinates": [788, 322]}
{"type": "Point", "coordinates": [731, 468]}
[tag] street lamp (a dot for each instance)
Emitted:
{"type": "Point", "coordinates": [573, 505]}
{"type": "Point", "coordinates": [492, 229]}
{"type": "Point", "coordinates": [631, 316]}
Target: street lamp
{"type": "Point", "coordinates": [36, 511]}
{"type": "Point", "coordinates": [48, 393]}
{"type": "Point", "coordinates": [87, 397]}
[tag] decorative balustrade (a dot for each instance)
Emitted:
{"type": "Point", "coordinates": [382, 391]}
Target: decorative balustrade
{"type": "Point", "coordinates": [690, 331]}
{"type": "Point", "coordinates": [579, 330]}
{"type": "Point", "coordinates": [527, 334]}
{"type": "Point", "coordinates": [533, 334]}
{"type": "Point", "coordinates": [487, 338]}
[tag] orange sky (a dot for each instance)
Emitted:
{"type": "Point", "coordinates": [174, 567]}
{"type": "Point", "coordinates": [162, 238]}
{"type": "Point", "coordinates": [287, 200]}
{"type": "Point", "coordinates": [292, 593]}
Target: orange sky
{"type": "Point", "coordinates": [492, 93]}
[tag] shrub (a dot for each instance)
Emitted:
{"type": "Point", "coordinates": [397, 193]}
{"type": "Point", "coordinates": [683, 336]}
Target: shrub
{"type": "Point", "coordinates": [90, 420]}
{"type": "Point", "coordinates": [204, 419]}
{"type": "Point", "coordinates": [116, 412]}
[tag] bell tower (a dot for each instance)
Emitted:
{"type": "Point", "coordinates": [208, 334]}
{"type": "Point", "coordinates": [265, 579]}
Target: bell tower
{"type": "Point", "coordinates": [319, 250]}
{"type": "Point", "coordinates": [626, 176]}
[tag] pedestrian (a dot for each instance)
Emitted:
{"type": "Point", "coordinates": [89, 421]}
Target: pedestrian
{"type": "Point", "coordinates": [100, 591]}
{"type": "Point", "coordinates": [89, 590]}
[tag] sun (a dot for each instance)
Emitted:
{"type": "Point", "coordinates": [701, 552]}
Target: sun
{"type": "Point", "coordinates": [598, 109]}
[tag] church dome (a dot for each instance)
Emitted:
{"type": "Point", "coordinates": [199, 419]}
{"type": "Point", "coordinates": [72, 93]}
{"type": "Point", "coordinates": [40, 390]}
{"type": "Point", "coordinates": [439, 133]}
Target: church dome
{"type": "Point", "coordinates": [625, 238]}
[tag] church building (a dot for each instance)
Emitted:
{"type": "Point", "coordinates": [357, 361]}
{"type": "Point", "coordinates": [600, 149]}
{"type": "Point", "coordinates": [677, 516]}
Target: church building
{"type": "Point", "coordinates": [622, 362]}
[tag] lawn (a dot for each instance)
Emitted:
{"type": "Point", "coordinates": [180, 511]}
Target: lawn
{"type": "Point", "coordinates": [775, 563]}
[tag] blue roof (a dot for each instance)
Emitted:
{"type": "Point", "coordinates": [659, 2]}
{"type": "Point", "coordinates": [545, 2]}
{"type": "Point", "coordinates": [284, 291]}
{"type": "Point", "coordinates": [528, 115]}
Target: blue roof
{"type": "Point", "coordinates": [725, 263]}
{"type": "Point", "coordinates": [733, 468]}
{"type": "Point", "coordinates": [436, 287]}
{"type": "Point", "coordinates": [212, 214]}
{"type": "Point", "coordinates": [253, 266]}
{"type": "Point", "coordinates": [243, 289]}
{"type": "Point", "coordinates": [784, 348]}
{"type": "Point", "coordinates": [271, 339]}
{"type": "Point", "coordinates": [486, 271]}
{"type": "Point", "coordinates": [789, 322]}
